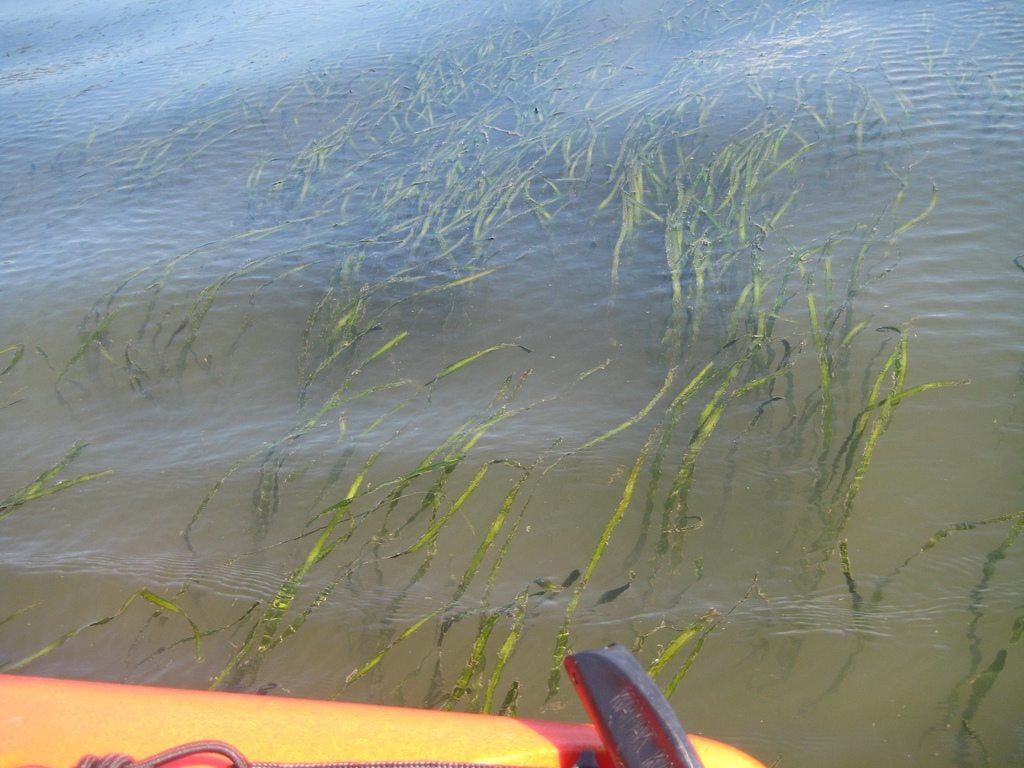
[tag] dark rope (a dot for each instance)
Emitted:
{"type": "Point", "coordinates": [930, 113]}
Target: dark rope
{"type": "Point", "coordinates": [236, 758]}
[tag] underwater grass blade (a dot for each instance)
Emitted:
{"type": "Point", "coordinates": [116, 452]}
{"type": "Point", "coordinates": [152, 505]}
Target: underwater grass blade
{"type": "Point", "coordinates": [363, 669]}
{"type": "Point", "coordinates": [505, 652]}
{"type": "Point", "coordinates": [42, 486]}
{"type": "Point", "coordinates": [672, 415]}
{"type": "Point", "coordinates": [851, 584]}
{"type": "Point", "coordinates": [385, 348]}
{"type": "Point", "coordinates": [860, 423]}
{"type": "Point", "coordinates": [19, 352]}
{"type": "Point", "coordinates": [144, 594]}
{"type": "Point", "coordinates": [920, 217]}
{"type": "Point", "coordinates": [677, 678]}
{"type": "Point", "coordinates": [898, 365]}
{"type": "Point", "coordinates": [21, 611]}
{"type": "Point", "coordinates": [475, 661]}
{"type": "Point", "coordinates": [981, 685]}
{"type": "Point", "coordinates": [97, 336]}
{"type": "Point", "coordinates": [562, 640]}
{"type": "Point", "coordinates": [680, 641]}
{"type": "Point", "coordinates": [675, 503]}
{"type": "Point", "coordinates": [940, 535]}
{"type": "Point", "coordinates": [492, 533]}
{"type": "Point", "coordinates": [881, 422]}
{"type": "Point", "coordinates": [453, 449]}
{"type": "Point", "coordinates": [852, 333]}
{"type": "Point", "coordinates": [435, 528]}
{"type": "Point", "coordinates": [166, 605]}
{"type": "Point", "coordinates": [824, 371]}
{"type": "Point", "coordinates": [339, 398]}
{"type": "Point", "coordinates": [205, 501]}
{"type": "Point", "coordinates": [640, 415]}
{"type": "Point", "coordinates": [510, 704]}
{"type": "Point", "coordinates": [204, 634]}
{"type": "Point", "coordinates": [460, 364]}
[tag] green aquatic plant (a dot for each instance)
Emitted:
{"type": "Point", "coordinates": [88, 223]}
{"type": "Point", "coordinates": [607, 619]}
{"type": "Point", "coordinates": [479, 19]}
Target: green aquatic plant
{"type": "Point", "coordinates": [14, 353]}
{"type": "Point", "coordinates": [11, 355]}
{"type": "Point", "coordinates": [47, 483]}
{"type": "Point", "coordinates": [161, 603]}
{"type": "Point", "coordinates": [562, 640]}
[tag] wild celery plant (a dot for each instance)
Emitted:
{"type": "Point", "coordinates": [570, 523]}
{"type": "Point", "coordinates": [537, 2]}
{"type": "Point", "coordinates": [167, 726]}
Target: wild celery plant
{"type": "Point", "coordinates": [13, 354]}
{"type": "Point", "coordinates": [672, 415]}
{"type": "Point", "coordinates": [562, 640]}
{"type": "Point", "coordinates": [47, 484]}
{"type": "Point", "coordinates": [454, 450]}
{"type": "Point", "coordinates": [265, 633]}
{"type": "Point", "coordinates": [978, 682]}
{"type": "Point", "coordinates": [457, 446]}
{"type": "Point", "coordinates": [162, 604]}
{"type": "Point", "coordinates": [697, 632]}
{"type": "Point", "coordinates": [9, 358]}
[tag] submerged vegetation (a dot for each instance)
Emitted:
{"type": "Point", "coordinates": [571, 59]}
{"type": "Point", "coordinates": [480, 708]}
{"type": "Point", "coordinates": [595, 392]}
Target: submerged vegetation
{"type": "Point", "coordinates": [401, 199]}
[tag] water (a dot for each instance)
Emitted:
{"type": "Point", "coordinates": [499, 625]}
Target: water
{"type": "Point", "coordinates": [217, 216]}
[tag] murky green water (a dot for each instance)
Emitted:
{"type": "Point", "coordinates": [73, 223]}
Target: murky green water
{"type": "Point", "coordinates": [472, 332]}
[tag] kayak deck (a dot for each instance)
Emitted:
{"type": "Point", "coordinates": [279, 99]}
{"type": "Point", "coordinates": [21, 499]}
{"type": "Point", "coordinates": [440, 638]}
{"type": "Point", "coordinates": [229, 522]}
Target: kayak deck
{"type": "Point", "coordinates": [50, 722]}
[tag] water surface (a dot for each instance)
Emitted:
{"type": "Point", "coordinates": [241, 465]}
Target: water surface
{"type": "Point", "coordinates": [388, 318]}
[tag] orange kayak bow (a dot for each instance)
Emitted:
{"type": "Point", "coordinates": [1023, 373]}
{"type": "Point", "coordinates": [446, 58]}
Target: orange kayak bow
{"type": "Point", "coordinates": [55, 723]}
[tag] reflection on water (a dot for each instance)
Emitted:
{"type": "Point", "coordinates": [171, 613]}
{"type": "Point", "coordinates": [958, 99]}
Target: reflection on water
{"type": "Point", "coordinates": [423, 346]}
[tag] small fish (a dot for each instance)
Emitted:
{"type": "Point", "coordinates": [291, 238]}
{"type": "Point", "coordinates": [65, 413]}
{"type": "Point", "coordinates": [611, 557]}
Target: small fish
{"type": "Point", "coordinates": [611, 594]}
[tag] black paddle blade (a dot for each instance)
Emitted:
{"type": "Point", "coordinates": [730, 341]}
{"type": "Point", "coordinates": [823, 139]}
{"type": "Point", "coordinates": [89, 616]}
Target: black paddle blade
{"type": "Point", "coordinates": [636, 723]}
